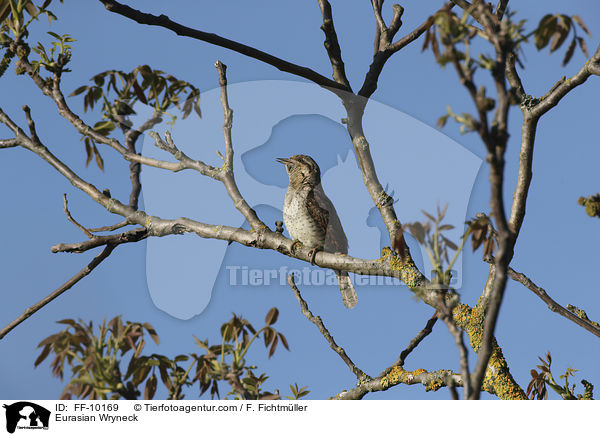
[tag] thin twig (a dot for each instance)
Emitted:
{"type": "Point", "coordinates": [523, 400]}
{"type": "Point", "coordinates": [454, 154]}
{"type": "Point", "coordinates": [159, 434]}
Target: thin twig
{"type": "Point", "coordinates": [134, 235]}
{"type": "Point", "coordinates": [72, 281]}
{"type": "Point", "coordinates": [111, 228]}
{"type": "Point", "coordinates": [333, 46]}
{"type": "Point", "coordinates": [414, 343]}
{"type": "Point", "coordinates": [70, 218]}
{"type": "Point", "coordinates": [552, 304]}
{"type": "Point", "coordinates": [135, 168]}
{"type": "Point", "coordinates": [463, 353]}
{"type": "Point", "coordinates": [316, 320]}
{"type": "Point", "coordinates": [377, 4]}
{"type": "Point", "coordinates": [227, 177]}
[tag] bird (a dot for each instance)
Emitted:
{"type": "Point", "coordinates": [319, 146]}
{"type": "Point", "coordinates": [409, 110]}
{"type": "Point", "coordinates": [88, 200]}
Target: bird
{"type": "Point", "coordinates": [311, 218]}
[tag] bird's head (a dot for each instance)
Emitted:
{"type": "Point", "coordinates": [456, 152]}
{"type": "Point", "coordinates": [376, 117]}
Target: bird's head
{"type": "Point", "coordinates": [302, 170]}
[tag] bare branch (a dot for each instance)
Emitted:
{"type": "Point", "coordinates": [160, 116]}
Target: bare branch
{"type": "Point", "coordinates": [380, 57]}
{"type": "Point", "coordinates": [9, 143]}
{"type": "Point", "coordinates": [495, 138]}
{"type": "Point", "coordinates": [463, 353]}
{"type": "Point", "coordinates": [525, 173]}
{"type": "Point", "coordinates": [414, 343]}
{"type": "Point", "coordinates": [55, 93]}
{"type": "Point", "coordinates": [110, 228]}
{"type": "Point", "coordinates": [552, 304]}
{"type": "Point", "coordinates": [134, 235]}
{"type": "Point", "coordinates": [70, 218]}
{"type": "Point", "coordinates": [377, 5]}
{"type": "Point", "coordinates": [432, 381]}
{"type": "Point", "coordinates": [187, 162]}
{"type": "Point", "coordinates": [501, 9]}
{"type": "Point", "coordinates": [227, 176]}
{"type": "Point", "coordinates": [396, 21]}
{"type": "Point", "coordinates": [31, 124]}
{"type": "Point", "coordinates": [211, 38]}
{"type": "Point", "coordinates": [316, 320]}
{"type": "Point", "coordinates": [69, 284]}
{"type": "Point", "coordinates": [135, 168]}
{"type": "Point", "coordinates": [592, 66]}
{"type": "Point", "coordinates": [112, 205]}
{"type": "Point", "coordinates": [332, 46]}
{"type": "Point", "coordinates": [513, 78]}
{"type": "Point", "coordinates": [532, 111]}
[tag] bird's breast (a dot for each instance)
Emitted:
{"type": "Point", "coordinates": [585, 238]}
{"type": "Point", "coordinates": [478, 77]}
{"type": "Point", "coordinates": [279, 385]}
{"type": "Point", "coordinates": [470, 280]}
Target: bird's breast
{"type": "Point", "coordinates": [299, 222]}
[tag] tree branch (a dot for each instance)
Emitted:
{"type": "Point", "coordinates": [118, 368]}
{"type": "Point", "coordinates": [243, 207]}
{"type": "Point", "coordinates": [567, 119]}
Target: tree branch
{"type": "Point", "coordinates": [431, 380]}
{"type": "Point", "coordinates": [414, 343]}
{"type": "Point", "coordinates": [70, 218]}
{"type": "Point", "coordinates": [332, 45]}
{"type": "Point", "coordinates": [316, 320]}
{"type": "Point", "coordinates": [135, 168]}
{"type": "Point", "coordinates": [9, 143]}
{"type": "Point", "coordinates": [501, 9]}
{"type": "Point", "coordinates": [69, 284]}
{"type": "Point", "coordinates": [591, 67]}
{"type": "Point", "coordinates": [227, 176]}
{"type": "Point", "coordinates": [384, 53]}
{"type": "Point", "coordinates": [553, 305]}
{"type": "Point", "coordinates": [134, 235]}
{"type": "Point", "coordinates": [211, 38]}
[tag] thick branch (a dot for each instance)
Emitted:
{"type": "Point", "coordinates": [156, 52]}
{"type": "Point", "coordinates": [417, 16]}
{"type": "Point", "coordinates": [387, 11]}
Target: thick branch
{"type": "Point", "coordinates": [316, 320]}
{"type": "Point", "coordinates": [211, 38]}
{"type": "Point", "coordinates": [431, 380]}
{"type": "Point", "coordinates": [76, 278]}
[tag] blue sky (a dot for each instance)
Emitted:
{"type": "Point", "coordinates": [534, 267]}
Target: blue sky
{"type": "Point", "coordinates": [276, 114]}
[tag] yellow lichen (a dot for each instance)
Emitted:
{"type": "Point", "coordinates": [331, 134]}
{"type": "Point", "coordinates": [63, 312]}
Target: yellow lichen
{"type": "Point", "coordinates": [498, 378]}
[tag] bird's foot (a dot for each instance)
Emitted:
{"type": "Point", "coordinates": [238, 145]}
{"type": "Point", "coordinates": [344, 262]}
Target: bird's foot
{"type": "Point", "coordinates": [295, 245]}
{"type": "Point", "coordinates": [313, 253]}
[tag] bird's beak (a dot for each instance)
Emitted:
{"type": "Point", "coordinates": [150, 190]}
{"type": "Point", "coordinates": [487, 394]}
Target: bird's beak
{"type": "Point", "coordinates": [283, 160]}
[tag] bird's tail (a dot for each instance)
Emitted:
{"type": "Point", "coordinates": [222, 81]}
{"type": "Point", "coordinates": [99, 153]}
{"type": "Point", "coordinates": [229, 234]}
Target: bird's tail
{"type": "Point", "coordinates": [347, 289]}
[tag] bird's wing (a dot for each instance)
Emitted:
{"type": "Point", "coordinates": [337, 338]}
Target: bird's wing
{"type": "Point", "coordinates": [335, 238]}
{"type": "Point", "coordinates": [319, 215]}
